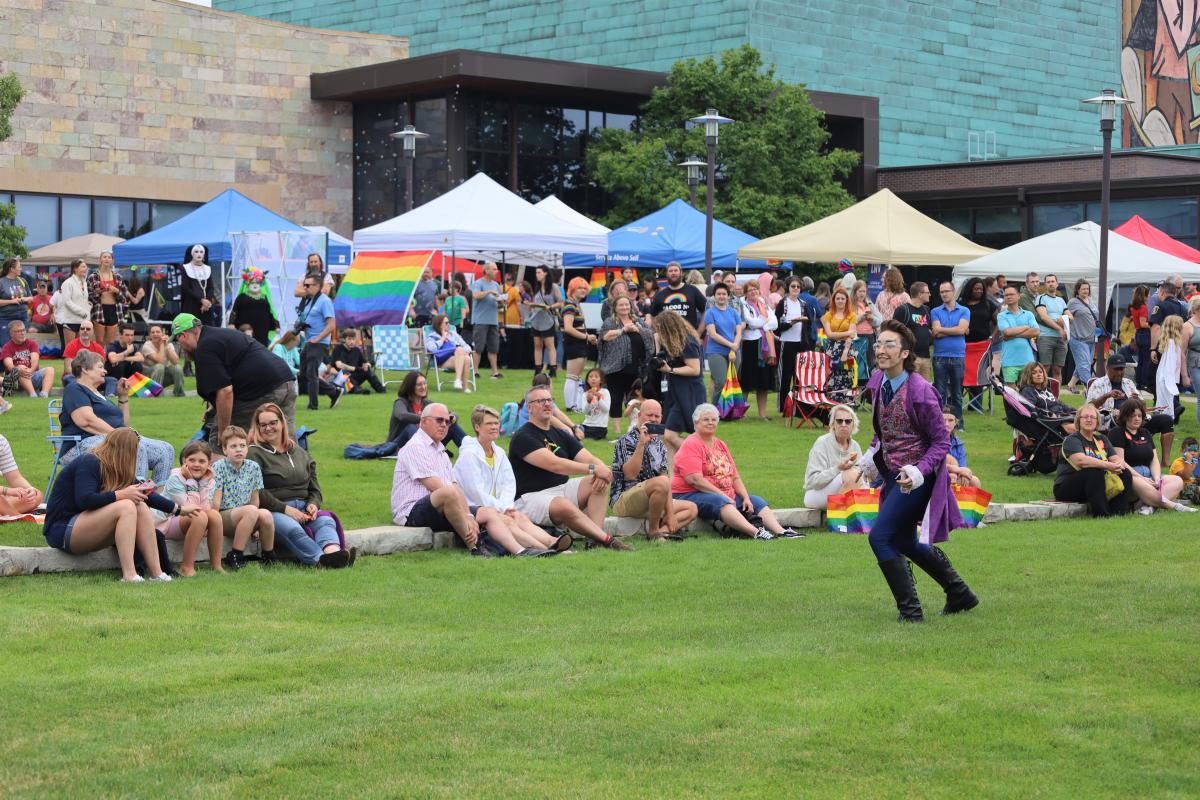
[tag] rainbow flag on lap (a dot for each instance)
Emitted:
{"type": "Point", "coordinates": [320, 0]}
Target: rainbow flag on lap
{"type": "Point", "coordinates": [141, 386]}
{"type": "Point", "coordinates": [378, 287]}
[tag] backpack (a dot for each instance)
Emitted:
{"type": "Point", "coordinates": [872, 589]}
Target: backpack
{"type": "Point", "coordinates": [509, 413]}
{"type": "Point", "coordinates": [361, 452]}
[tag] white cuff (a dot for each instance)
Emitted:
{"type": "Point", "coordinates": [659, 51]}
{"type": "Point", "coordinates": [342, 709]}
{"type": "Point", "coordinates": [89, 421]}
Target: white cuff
{"type": "Point", "coordinates": [914, 474]}
{"type": "Point", "coordinates": [866, 463]}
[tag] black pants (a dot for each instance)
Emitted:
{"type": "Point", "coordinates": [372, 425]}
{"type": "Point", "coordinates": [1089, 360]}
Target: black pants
{"type": "Point", "coordinates": [787, 367]}
{"type": "Point", "coordinates": [1087, 486]}
{"type": "Point", "coordinates": [314, 357]}
{"type": "Point", "coordinates": [361, 376]}
{"type": "Point", "coordinates": [618, 390]}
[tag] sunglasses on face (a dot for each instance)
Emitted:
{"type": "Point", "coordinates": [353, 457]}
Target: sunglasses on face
{"type": "Point", "coordinates": [843, 422]}
{"type": "Point", "coordinates": [440, 420]}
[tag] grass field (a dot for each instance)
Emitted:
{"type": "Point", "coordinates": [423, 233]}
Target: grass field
{"type": "Point", "coordinates": [701, 669]}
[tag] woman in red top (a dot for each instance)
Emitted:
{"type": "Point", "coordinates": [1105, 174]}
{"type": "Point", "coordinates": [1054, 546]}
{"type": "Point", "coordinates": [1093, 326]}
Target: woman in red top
{"type": "Point", "coordinates": [1139, 316]}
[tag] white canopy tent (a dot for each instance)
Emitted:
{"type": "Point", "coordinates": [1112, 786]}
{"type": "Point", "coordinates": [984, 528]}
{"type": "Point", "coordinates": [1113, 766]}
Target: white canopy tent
{"type": "Point", "coordinates": [1073, 253]}
{"type": "Point", "coordinates": [480, 217]}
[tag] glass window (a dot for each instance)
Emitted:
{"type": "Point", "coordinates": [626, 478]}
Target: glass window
{"type": "Point", "coordinates": [1175, 216]}
{"type": "Point", "coordinates": [494, 165]}
{"type": "Point", "coordinates": [538, 178]}
{"type": "Point", "coordinates": [574, 131]}
{"type": "Point", "coordinates": [162, 214]}
{"type": "Point", "coordinates": [5, 197]}
{"type": "Point", "coordinates": [1055, 216]}
{"type": "Point", "coordinates": [431, 177]}
{"type": "Point", "coordinates": [956, 219]}
{"type": "Point", "coordinates": [141, 218]}
{"type": "Point", "coordinates": [487, 125]}
{"type": "Point", "coordinates": [38, 215]}
{"type": "Point", "coordinates": [538, 129]}
{"type": "Point", "coordinates": [623, 121]}
{"type": "Point", "coordinates": [378, 173]}
{"type": "Point", "coordinates": [114, 217]}
{"type": "Point", "coordinates": [76, 216]}
{"type": "Point", "coordinates": [997, 227]}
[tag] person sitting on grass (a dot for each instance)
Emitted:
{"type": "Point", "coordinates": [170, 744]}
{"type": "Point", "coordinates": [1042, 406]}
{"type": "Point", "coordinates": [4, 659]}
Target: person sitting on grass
{"type": "Point", "coordinates": [425, 495]}
{"type": "Point", "coordinates": [706, 475]}
{"type": "Point", "coordinates": [1034, 388]}
{"type": "Point", "coordinates": [557, 418]}
{"type": "Point", "coordinates": [956, 459]}
{"type": "Point", "coordinates": [641, 485]}
{"type": "Point", "coordinates": [1091, 471]}
{"type": "Point", "coordinates": [348, 358]}
{"type": "Point", "coordinates": [558, 482]}
{"type": "Point", "coordinates": [162, 361]}
{"type": "Point", "coordinates": [95, 503]}
{"type": "Point", "coordinates": [411, 399]}
{"type": "Point", "coordinates": [1108, 391]}
{"type": "Point", "coordinates": [832, 461]}
{"type": "Point", "coordinates": [287, 347]}
{"type": "Point", "coordinates": [446, 347]}
{"type": "Point", "coordinates": [292, 493]}
{"type": "Point", "coordinates": [19, 496]}
{"type": "Point", "coordinates": [192, 484]}
{"type": "Point", "coordinates": [596, 402]}
{"type": "Point", "coordinates": [238, 483]}
{"type": "Point", "coordinates": [484, 474]}
{"type": "Point", "coordinates": [1135, 445]}
{"type": "Point", "coordinates": [22, 356]}
{"type": "Point", "coordinates": [1184, 467]}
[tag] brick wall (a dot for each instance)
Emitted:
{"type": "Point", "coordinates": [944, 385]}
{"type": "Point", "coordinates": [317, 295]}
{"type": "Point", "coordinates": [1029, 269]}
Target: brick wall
{"type": "Point", "coordinates": [941, 68]}
{"type": "Point", "coordinates": [164, 100]}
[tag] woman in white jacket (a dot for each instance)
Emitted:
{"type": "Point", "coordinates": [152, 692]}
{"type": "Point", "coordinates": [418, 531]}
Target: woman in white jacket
{"type": "Point", "coordinates": [486, 478]}
{"type": "Point", "coordinates": [73, 306]}
{"type": "Point", "coordinates": [831, 462]}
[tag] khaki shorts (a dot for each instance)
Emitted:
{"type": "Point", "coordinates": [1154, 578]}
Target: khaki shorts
{"type": "Point", "coordinates": [536, 505]}
{"type": "Point", "coordinates": [633, 503]}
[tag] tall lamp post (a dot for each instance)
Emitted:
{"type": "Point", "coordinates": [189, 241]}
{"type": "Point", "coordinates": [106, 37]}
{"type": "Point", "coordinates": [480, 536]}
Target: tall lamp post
{"type": "Point", "coordinates": [410, 136]}
{"type": "Point", "coordinates": [712, 122]}
{"type": "Point", "coordinates": [1108, 100]}
{"type": "Point", "coordinates": [693, 165]}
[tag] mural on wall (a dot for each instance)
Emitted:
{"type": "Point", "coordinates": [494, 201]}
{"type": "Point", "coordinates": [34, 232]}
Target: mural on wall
{"type": "Point", "coordinates": [1160, 71]}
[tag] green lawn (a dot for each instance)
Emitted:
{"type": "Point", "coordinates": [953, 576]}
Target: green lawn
{"type": "Point", "coordinates": [701, 669]}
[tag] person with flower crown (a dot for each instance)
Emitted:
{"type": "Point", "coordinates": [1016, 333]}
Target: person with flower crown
{"type": "Point", "coordinates": [253, 306]}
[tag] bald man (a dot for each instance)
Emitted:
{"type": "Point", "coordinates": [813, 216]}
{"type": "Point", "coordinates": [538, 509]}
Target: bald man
{"type": "Point", "coordinates": [641, 482]}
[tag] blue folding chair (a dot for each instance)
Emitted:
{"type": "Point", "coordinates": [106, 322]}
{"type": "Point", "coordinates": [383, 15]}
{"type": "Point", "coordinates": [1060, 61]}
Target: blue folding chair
{"type": "Point", "coordinates": [56, 439]}
{"type": "Point", "coordinates": [393, 350]}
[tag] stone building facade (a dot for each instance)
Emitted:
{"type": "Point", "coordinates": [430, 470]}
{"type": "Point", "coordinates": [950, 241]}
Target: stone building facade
{"type": "Point", "coordinates": [158, 100]}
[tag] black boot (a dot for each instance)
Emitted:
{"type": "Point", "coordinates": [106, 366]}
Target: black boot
{"type": "Point", "coordinates": [899, 578]}
{"type": "Point", "coordinates": [958, 596]}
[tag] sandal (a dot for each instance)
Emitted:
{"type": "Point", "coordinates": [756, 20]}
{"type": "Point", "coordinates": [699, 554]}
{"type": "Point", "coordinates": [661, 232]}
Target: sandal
{"type": "Point", "coordinates": [563, 543]}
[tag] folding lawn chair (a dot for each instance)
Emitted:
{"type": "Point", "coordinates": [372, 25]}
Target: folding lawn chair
{"type": "Point", "coordinates": [393, 350]}
{"type": "Point", "coordinates": [431, 362]}
{"type": "Point", "coordinates": [56, 439]}
{"type": "Point", "coordinates": [809, 398]}
{"type": "Point", "coordinates": [977, 373]}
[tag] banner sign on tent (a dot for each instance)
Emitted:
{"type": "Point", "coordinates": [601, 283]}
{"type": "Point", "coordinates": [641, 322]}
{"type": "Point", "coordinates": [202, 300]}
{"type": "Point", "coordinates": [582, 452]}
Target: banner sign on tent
{"type": "Point", "coordinates": [378, 288]}
{"type": "Point", "coordinates": [283, 258]}
{"type": "Point", "coordinates": [875, 280]}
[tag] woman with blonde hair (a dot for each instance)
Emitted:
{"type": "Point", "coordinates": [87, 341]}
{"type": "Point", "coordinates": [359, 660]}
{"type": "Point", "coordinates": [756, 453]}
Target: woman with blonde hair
{"type": "Point", "coordinates": [73, 307]}
{"type": "Point", "coordinates": [98, 502]}
{"type": "Point", "coordinates": [833, 460]}
{"type": "Point", "coordinates": [679, 354]}
{"type": "Point", "coordinates": [1172, 367]}
{"type": "Point", "coordinates": [867, 326]}
{"type": "Point", "coordinates": [109, 297]}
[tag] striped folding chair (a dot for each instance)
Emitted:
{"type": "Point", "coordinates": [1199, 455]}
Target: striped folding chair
{"type": "Point", "coordinates": [393, 350]}
{"type": "Point", "coordinates": [56, 439]}
{"type": "Point", "coordinates": [808, 395]}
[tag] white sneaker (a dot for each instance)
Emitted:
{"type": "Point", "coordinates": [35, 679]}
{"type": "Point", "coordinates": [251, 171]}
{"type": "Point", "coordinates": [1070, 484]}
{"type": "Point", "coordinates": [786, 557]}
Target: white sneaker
{"type": "Point", "coordinates": [134, 579]}
{"type": "Point", "coordinates": [1183, 508]}
{"type": "Point", "coordinates": [162, 577]}
{"type": "Point", "coordinates": [5, 406]}
{"type": "Point", "coordinates": [458, 384]}
{"type": "Point", "coordinates": [764, 535]}
{"type": "Point", "coordinates": [1146, 511]}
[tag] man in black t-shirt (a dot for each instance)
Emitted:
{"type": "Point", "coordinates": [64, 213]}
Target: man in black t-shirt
{"type": "Point", "coordinates": [348, 357]}
{"type": "Point", "coordinates": [235, 374]}
{"type": "Point", "coordinates": [544, 460]}
{"type": "Point", "coordinates": [915, 316]}
{"type": "Point", "coordinates": [684, 299]}
{"type": "Point", "coordinates": [123, 356]}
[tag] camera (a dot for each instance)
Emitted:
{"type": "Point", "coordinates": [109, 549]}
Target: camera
{"type": "Point", "coordinates": [656, 362]}
{"type": "Point", "coordinates": [655, 428]}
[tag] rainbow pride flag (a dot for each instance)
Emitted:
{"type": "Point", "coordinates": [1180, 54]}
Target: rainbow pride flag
{"type": "Point", "coordinates": [378, 287]}
{"type": "Point", "coordinates": [599, 283]}
{"type": "Point", "coordinates": [972, 504]}
{"type": "Point", "coordinates": [731, 402]}
{"type": "Point", "coordinates": [141, 386]}
{"type": "Point", "coordinates": [853, 511]}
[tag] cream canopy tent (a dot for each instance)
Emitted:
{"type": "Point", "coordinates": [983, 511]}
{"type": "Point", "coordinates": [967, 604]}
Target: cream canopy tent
{"type": "Point", "coordinates": [1073, 253]}
{"type": "Point", "coordinates": [88, 247]}
{"type": "Point", "coordinates": [882, 229]}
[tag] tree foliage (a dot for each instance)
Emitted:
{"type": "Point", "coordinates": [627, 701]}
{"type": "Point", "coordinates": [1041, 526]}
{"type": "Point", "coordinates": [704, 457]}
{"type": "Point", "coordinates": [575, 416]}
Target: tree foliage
{"type": "Point", "coordinates": [12, 236]}
{"type": "Point", "coordinates": [773, 173]}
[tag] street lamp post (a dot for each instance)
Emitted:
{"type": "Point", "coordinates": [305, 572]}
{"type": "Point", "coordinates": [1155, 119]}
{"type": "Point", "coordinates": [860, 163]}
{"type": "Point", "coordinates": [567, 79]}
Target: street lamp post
{"type": "Point", "coordinates": [693, 165]}
{"type": "Point", "coordinates": [1108, 100]}
{"type": "Point", "coordinates": [712, 122]}
{"type": "Point", "coordinates": [410, 136]}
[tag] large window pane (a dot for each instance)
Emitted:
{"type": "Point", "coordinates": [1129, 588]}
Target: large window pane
{"type": "Point", "coordinates": [378, 171]}
{"type": "Point", "coordinates": [538, 129]}
{"type": "Point", "coordinates": [114, 218]}
{"type": "Point", "coordinates": [165, 213]}
{"type": "Point", "coordinates": [538, 178]}
{"type": "Point", "coordinates": [141, 218]}
{"type": "Point", "coordinates": [1175, 216]}
{"type": "Point", "coordinates": [622, 121]}
{"type": "Point", "coordinates": [574, 131]}
{"type": "Point", "coordinates": [432, 175]}
{"type": "Point", "coordinates": [76, 216]}
{"type": "Point", "coordinates": [487, 125]}
{"type": "Point", "coordinates": [956, 219]}
{"type": "Point", "coordinates": [38, 215]}
{"type": "Point", "coordinates": [1055, 216]}
{"type": "Point", "coordinates": [494, 165]}
{"type": "Point", "coordinates": [997, 227]}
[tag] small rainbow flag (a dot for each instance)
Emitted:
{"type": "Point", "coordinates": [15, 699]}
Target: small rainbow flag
{"type": "Point", "coordinates": [853, 511]}
{"type": "Point", "coordinates": [141, 386]}
{"type": "Point", "coordinates": [599, 284]}
{"type": "Point", "coordinates": [972, 504]}
{"type": "Point", "coordinates": [378, 287]}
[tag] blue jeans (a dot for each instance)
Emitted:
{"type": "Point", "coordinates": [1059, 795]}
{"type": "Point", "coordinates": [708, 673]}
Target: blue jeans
{"type": "Point", "coordinates": [291, 533]}
{"type": "Point", "coordinates": [894, 533]}
{"type": "Point", "coordinates": [948, 381]}
{"type": "Point", "coordinates": [1082, 353]}
{"type": "Point", "coordinates": [709, 504]}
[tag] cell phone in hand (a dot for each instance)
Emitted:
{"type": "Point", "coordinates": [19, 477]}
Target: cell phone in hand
{"type": "Point", "coordinates": [654, 427]}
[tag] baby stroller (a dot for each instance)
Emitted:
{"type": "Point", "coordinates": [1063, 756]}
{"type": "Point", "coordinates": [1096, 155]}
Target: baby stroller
{"type": "Point", "coordinates": [1038, 441]}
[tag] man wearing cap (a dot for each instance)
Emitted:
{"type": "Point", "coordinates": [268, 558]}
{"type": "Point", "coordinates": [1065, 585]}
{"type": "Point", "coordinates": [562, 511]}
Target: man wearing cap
{"type": "Point", "coordinates": [234, 374]}
{"type": "Point", "coordinates": [1112, 388]}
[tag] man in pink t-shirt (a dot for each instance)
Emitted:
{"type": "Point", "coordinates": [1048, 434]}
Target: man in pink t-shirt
{"type": "Point", "coordinates": [21, 355]}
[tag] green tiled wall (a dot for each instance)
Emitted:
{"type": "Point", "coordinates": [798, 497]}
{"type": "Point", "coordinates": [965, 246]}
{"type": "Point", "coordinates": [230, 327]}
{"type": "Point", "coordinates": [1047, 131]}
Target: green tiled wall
{"type": "Point", "coordinates": [1010, 72]}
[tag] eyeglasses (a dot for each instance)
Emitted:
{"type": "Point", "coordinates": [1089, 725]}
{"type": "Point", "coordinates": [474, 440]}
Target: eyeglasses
{"type": "Point", "coordinates": [310, 286]}
{"type": "Point", "coordinates": [541, 401]}
{"type": "Point", "coordinates": [843, 422]}
{"type": "Point", "coordinates": [268, 423]}
{"type": "Point", "coordinates": [440, 420]}
{"type": "Point", "coordinates": [889, 345]}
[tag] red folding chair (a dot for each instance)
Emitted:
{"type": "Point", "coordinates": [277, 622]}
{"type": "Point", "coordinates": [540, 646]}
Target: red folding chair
{"type": "Point", "coordinates": [808, 396]}
{"type": "Point", "coordinates": [977, 371]}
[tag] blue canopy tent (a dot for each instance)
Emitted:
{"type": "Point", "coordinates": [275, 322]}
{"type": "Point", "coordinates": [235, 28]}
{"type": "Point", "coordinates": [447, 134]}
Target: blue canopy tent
{"type": "Point", "coordinates": [673, 233]}
{"type": "Point", "coordinates": [210, 225]}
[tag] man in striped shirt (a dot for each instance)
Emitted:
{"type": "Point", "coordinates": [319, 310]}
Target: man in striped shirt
{"type": "Point", "coordinates": [424, 494]}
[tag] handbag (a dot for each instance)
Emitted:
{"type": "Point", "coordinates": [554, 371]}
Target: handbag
{"type": "Point", "coordinates": [1113, 485]}
{"type": "Point", "coordinates": [731, 402]}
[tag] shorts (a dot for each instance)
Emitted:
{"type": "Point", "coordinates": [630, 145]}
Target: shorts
{"type": "Point", "coordinates": [709, 504]}
{"type": "Point", "coordinates": [108, 314]}
{"type": "Point", "coordinates": [574, 348]}
{"type": "Point", "coordinates": [486, 339]}
{"type": "Point", "coordinates": [1052, 351]}
{"type": "Point", "coordinates": [1144, 472]}
{"type": "Point", "coordinates": [169, 528]}
{"type": "Point", "coordinates": [227, 524]}
{"type": "Point", "coordinates": [424, 515]}
{"type": "Point", "coordinates": [1011, 374]}
{"type": "Point", "coordinates": [595, 432]}
{"type": "Point", "coordinates": [633, 502]}
{"type": "Point", "coordinates": [545, 333]}
{"type": "Point", "coordinates": [59, 536]}
{"type": "Point", "coordinates": [536, 505]}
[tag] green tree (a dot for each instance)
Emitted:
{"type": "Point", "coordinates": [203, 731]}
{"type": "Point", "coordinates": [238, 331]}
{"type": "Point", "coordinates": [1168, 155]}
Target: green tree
{"type": "Point", "coordinates": [12, 236]}
{"type": "Point", "coordinates": [773, 171]}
